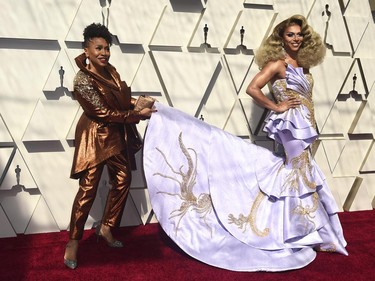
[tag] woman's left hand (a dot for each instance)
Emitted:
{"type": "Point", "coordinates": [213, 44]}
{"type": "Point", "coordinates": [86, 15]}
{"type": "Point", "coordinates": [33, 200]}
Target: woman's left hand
{"type": "Point", "coordinates": [146, 113]}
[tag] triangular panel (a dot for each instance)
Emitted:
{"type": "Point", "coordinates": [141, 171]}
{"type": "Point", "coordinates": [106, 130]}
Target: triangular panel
{"type": "Point", "coordinates": [19, 176]}
{"type": "Point", "coordinates": [6, 229]}
{"type": "Point", "coordinates": [42, 219]}
{"type": "Point", "coordinates": [237, 123]}
{"type": "Point", "coordinates": [142, 203]}
{"type": "Point", "coordinates": [39, 127]}
{"type": "Point", "coordinates": [194, 72]}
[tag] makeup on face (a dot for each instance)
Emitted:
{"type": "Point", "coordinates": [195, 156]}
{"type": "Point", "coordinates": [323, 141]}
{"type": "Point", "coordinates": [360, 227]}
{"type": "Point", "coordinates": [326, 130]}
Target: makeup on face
{"type": "Point", "coordinates": [98, 52]}
{"type": "Point", "coordinates": [292, 38]}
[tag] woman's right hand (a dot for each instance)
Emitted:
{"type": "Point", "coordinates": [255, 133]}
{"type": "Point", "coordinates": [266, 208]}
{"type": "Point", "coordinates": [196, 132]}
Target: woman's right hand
{"type": "Point", "coordinates": [283, 106]}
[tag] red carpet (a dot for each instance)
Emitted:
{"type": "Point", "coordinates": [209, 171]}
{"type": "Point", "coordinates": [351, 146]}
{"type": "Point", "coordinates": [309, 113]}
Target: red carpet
{"type": "Point", "coordinates": [150, 255]}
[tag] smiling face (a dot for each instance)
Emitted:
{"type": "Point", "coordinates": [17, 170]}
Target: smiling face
{"type": "Point", "coordinates": [98, 52]}
{"type": "Point", "coordinates": [292, 38]}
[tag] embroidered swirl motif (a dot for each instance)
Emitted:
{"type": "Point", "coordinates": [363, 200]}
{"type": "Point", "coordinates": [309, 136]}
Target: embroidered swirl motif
{"type": "Point", "coordinates": [331, 248]}
{"type": "Point", "coordinates": [85, 88]}
{"type": "Point", "coordinates": [201, 204]}
{"type": "Point", "coordinates": [242, 221]}
{"type": "Point", "coordinates": [306, 211]}
{"type": "Point", "coordinates": [301, 167]}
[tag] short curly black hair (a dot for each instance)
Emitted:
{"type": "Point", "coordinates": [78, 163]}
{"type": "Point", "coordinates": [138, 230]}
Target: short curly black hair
{"type": "Point", "coordinates": [96, 30]}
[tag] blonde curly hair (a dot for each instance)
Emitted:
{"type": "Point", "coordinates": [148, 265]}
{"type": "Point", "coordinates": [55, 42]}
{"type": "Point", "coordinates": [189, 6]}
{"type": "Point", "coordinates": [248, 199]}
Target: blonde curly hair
{"type": "Point", "coordinates": [311, 53]}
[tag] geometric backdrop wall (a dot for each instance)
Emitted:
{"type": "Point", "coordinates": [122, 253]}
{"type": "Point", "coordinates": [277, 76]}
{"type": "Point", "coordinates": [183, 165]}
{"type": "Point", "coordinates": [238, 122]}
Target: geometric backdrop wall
{"type": "Point", "coordinates": [159, 50]}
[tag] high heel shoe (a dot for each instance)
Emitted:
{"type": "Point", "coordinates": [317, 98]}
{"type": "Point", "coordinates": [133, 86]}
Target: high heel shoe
{"type": "Point", "coordinates": [114, 244]}
{"type": "Point", "coordinates": [70, 263]}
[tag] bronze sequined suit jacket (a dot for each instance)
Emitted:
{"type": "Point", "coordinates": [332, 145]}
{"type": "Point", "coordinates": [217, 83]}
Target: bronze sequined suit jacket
{"type": "Point", "coordinates": [100, 131]}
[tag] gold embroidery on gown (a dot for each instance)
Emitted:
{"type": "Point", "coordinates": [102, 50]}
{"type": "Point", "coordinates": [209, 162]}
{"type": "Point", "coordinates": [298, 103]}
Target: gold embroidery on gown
{"type": "Point", "coordinates": [201, 204]}
{"type": "Point", "coordinates": [242, 221]}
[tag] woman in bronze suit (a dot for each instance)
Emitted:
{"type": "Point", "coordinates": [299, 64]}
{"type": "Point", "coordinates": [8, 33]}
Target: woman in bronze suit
{"type": "Point", "coordinates": [104, 136]}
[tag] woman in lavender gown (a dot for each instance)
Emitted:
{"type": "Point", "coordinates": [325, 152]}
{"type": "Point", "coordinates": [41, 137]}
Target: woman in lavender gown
{"type": "Point", "coordinates": [235, 205]}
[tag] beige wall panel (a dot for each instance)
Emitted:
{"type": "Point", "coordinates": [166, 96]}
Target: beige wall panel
{"type": "Point", "coordinates": [142, 203]}
{"type": "Point", "coordinates": [237, 122]}
{"type": "Point", "coordinates": [351, 158]}
{"type": "Point", "coordinates": [18, 176]}
{"type": "Point", "coordinates": [175, 28]}
{"type": "Point", "coordinates": [6, 229]}
{"type": "Point", "coordinates": [369, 183]}
{"type": "Point", "coordinates": [6, 154]}
{"type": "Point", "coordinates": [40, 127]}
{"type": "Point", "coordinates": [338, 187]}
{"type": "Point", "coordinates": [131, 215]}
{"type": "Point", "coordinates": [193, 71]}
{"type": "Point", "coordinates": [287, 8]}
{"type": "Point", "coordinates": [40, 19]}
{"type": "Point", "coordinates": [358, 198]}
{"type": "Point", "coordinates": [331, 26]}
{"type": "Point", "coordinates": [138, 179]}
{"type": "Point", "coordinates": [358, 85]}
{"type": "Point", "coordinates": [332, 149]}
{"type": "Point", "coordinates": [22, 83]}
{"type": "Point", "coordinates": [252, 111]}
{"type": "Point", "coordinates": [146, 79]}
{"type": "Point", "coordinates": [221, 99]}
{"type": "Point", "coordinates": [71, 133]}
{"type": "Point", "coordinates": [368, 68]}
{"type": "Point", "coordinates": [348, 112]}
{"type": "Point", "coordinates": [331, 126]}
{"type": "Point", "coordinates": [327, 86]}
{"type": "Point", "coordinates": [60, 78]}
{"type": "Point", "coordinates": [5, 137]}
{"type": "Point", "coordinates": [19, 206]}
{"type": "Point", "coordinates": [357, 27]}
{"type": "Point", "coordinates": [238, 66]}
{"type": "Point", "coordinates": [259, 2]}
{"type": "Point", "coordinates": [61, 114]}
{"type": "Point", "coordinates": [341, 188]}
{"type": "Point", "coordinates": [51, 171]}
{"type": "Point", "coordinates": [256, 23]}
{"type": "Point", "coordinates": [369, 162]}
{"type": "Point", "coordinates": [358, 8]}
{"type": "Point", "coordinates": [365, 123]}
{"type": "Point", "coordinates": [42, 220]}
{"type": "Point", "coordinates": [135, 22]}
{"type": "Point", "coordinates": [220, 17]}
{"type": "Point", "coordinates": [89, 11]}
{"type": "Point", "coordinates": [253, 114]}
{"type": "Point", "coordinates": [365, 48]}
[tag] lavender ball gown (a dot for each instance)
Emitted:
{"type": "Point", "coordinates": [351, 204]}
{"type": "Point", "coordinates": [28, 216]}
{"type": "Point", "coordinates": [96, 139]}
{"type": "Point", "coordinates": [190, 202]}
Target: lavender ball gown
{"type": "Point", "coordinates": [238, 206]}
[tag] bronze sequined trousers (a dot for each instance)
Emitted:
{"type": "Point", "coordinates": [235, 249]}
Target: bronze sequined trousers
{"type": "Point", "coordinates": [120, 177]}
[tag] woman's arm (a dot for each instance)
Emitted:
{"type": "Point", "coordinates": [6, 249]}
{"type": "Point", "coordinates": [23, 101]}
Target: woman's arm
{"type": "Point", "coordinates": [96, 107]}
{"type": "Point", "coordinates": [272, 71]}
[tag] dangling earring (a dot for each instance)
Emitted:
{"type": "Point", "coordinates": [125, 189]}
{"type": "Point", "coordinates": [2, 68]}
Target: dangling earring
{"type": "Point", "coordinates": [88, 62]}
{"type": "Point", "coordinates": [283, 49]}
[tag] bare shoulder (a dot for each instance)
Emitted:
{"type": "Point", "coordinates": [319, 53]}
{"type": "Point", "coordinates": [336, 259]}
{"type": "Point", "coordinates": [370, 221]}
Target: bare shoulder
{"type": "Point", "coordinates": [275, 66]}
{"type": "Point", "coordinates": [275, 69]}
